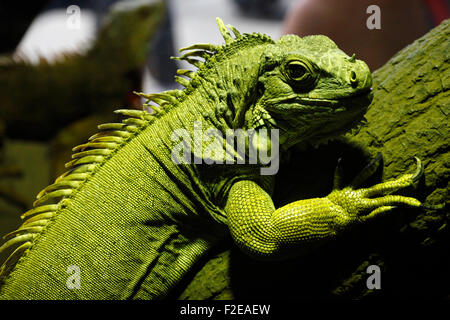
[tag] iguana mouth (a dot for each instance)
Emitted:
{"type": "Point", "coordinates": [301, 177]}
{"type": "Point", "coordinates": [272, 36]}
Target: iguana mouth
{"type": "Point", "coordinates": [360, 98]}
{"type": "Point", "coordinates": [281, 113]}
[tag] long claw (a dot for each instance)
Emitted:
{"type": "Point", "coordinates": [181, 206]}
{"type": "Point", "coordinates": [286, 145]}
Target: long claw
{"type": "Point", "coordinates": [388, 187]}
{"type": "Point", "coordinates": [433, 206]}
{"type": "Point", "coordinates": [367, 171]}
{"type": "Point", "coordinates": [337, 181]}
{"type": "Point", "coordinates": [419, 171]}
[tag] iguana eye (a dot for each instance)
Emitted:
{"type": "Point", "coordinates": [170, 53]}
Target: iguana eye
{"type": "Point", "coordinates": [296, 70]}
{"type": "Point", "coordinates": [299, 72]}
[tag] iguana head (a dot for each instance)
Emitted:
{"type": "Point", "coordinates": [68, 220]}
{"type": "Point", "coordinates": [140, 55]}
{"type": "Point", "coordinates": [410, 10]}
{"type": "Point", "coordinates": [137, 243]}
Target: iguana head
{"type": "Point", "coordinates": [306, 87]}
{"type": "Point", "coordinates": [309, 89]}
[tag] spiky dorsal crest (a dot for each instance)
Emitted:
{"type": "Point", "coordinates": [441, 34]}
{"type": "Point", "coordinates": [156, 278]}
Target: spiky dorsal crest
{"type": "Point", "coordinates": [199, 55]}
{"type": "Point", "coordinates": [86, 160]}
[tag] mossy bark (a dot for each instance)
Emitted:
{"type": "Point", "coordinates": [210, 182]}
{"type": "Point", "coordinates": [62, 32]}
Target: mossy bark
{"type": "Point", "coordinates": [408, 117]}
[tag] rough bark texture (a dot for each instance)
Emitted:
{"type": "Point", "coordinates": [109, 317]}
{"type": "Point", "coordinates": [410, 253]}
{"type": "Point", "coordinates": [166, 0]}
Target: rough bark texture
{"type": "Point", "coordinates": [408, 117]}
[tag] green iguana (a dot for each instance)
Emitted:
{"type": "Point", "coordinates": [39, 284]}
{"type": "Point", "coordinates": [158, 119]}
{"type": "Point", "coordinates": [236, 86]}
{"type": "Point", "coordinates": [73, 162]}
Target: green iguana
{"type": "Point", "coordinates": [133, 221]}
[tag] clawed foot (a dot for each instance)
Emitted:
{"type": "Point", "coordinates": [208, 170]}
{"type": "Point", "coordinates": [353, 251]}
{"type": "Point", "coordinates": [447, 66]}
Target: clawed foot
{"type": "Point", "coordinates": [367, 203]}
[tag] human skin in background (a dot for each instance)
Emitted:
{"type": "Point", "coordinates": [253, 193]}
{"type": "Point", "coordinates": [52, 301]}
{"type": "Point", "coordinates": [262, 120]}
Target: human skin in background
{"type": "Point", "coordinates": [344, 21]}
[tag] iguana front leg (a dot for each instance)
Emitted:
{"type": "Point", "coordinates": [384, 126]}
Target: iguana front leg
{"type": "Point", "coordinates": [267, 233]}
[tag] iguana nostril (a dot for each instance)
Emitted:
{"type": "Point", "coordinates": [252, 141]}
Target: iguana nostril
{"type": "Point", "coordinates": [353, 79]}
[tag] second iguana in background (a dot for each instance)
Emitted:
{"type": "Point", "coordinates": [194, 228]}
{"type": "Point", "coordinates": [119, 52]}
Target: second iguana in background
{"type": "Point", "coordinates": [132, 221]}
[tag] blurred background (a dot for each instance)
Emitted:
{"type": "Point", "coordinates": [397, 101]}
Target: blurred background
{"type": "Point", "coordinates": [66, 65]}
